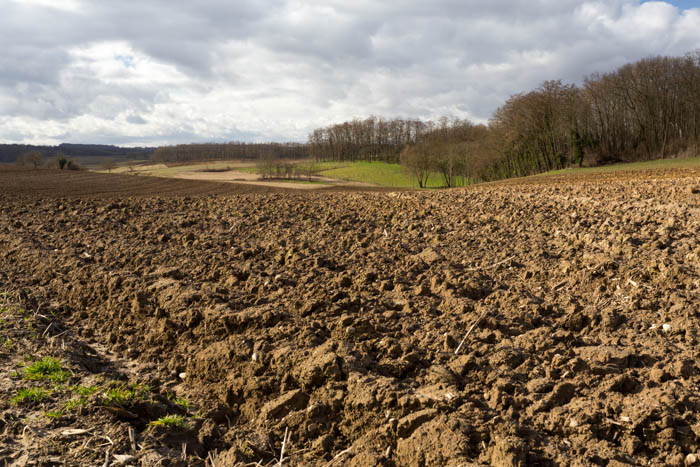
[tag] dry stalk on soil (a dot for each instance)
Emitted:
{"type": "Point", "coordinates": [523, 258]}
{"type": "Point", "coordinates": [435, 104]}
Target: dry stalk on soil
{"type": "Point", "coordinates": [471, 328]}
{"type": "Point", "coordinates": [492, 266]}
{"type": "Point", "coordinates": [284, 445]}
{"type": "Point", "coordinates": [132, 439]}
{"type": "Point", "coordinates": [340, 456]}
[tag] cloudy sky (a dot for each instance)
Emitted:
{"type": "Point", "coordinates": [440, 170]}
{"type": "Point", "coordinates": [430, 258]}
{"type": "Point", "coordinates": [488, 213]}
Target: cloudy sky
{"type": "Point", "coordinates": [151, 72]}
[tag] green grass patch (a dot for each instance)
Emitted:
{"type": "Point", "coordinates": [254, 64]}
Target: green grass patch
{"type": "Point", "coordinates": [47, 368]}
{"type": "Point", "coordinates": [123, 395]}
{"type": "Point", "coordinates": [118, 396]}
{"type": "Point", "coordinates": [184, 403]}
{"type": "Point", "coordinates": [249, 170]}
{"type": "Point", "coordinates": [141, 389]}
{"type": "Point", "coordinates": [86, 391]}
{"type": "Point", "coordinates": [83, 393]}
{"type": "Point", "coordinates": [75, 403]}
{"type": "Point", "coordinates": [54, 414]}
{"type": "Point", "coordinates": [29, 395]}
{"type": "Point", "coordinates": [171, 421]}
{"type": "Point", "coordinates": [376, 173]}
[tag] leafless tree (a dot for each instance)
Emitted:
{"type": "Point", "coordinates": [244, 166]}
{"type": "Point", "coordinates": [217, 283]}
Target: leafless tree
{"type": "Point", "coordinates": [108, 163]}
{"type": "Point", "coordinates": [31, 158]}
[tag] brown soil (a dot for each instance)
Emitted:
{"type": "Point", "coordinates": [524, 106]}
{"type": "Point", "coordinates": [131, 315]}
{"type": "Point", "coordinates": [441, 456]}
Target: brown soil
{"type": "Point", "coordinates": [335, 317]}
{"type": "Point", "coordinates": [66, 183]}
{"type": "Point", "coordinates": [244, 178]}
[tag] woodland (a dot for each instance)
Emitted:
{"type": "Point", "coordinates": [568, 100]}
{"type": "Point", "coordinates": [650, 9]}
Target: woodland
{"type": "Point", "coordinates": [649, 109]}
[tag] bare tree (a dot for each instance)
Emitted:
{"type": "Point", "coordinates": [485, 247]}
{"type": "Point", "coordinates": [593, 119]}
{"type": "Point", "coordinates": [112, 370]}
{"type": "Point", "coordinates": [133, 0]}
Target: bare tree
{"type": "Point", "coordinates": [31, 158]}
{"type": "Point", "coordinates": [415, 158]}
{"type": "Point", "coordinates": [108, 163]}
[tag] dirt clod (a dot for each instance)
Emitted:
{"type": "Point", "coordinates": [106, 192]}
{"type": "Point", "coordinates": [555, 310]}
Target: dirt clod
{"type": "Point", "coordinates": [222, 317]}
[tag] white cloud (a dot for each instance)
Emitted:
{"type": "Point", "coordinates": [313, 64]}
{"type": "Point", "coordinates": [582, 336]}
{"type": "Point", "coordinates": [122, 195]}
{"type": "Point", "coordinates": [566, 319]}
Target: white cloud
{"type": "Point", "coordinates": [157, 72]}
{"type": "Point", "coordinates": [117, 63]}
{"type": "Point", "coordinates": [65, 5]}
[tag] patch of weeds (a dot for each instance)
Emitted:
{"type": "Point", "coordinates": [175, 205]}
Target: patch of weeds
{"type": "Point", "coordinates": [47, 368]}
{"type": "Point", "coordinates": [119, 396]}
{"type": "Point", "coordinates": [86, 390]}
{"type": "Point", "coordinates": [75, 403]}
{"type": "Point", "coordinates": [25, 395]}
{"type": "Point", "coordinates": [58, 388]}
{"type": "Point", "coordinates": [54, 414]}
{"type": "Point", "coordinates": [8, 344]}
{"type": "Point", "coordinates": [122, 395]}
{"type": "Point", "coordinates": [182, 402]}
{"type": "Point", "coordinates": [171, 421]}
{"type": "Point", "coordinates": [140, 389]}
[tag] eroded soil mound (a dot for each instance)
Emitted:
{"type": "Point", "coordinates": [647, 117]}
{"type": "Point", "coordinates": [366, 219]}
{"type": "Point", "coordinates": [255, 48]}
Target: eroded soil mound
{"type": "Point", "coordinates": [336, 318]}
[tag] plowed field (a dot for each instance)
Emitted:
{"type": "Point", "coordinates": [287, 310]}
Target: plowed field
{"type": "Point", "coordinates": [65, 183]}
{"type": "Point", "coordinates": [538, 322]}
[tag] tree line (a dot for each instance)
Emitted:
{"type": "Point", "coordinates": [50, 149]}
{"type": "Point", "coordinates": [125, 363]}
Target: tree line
{"type": "Point", "coordinates": [643, 110]}
{"type": "Point", "coordinates": [371, 139]}
{"type": "Point", "coordinates": [35, 159]}
{"type": "Point", "coordinates": [13, 152]}
{"type": "Point", "coordinates": [230, 151]}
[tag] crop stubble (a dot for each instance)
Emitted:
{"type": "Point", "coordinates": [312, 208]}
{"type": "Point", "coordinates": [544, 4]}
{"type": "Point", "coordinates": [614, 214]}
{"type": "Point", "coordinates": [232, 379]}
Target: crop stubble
{"type": "Point", "coordinates": [337, 315]}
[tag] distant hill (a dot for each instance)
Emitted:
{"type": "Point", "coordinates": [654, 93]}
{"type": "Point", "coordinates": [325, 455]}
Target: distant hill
{"type": "Point", "coordinates": [10, 152]}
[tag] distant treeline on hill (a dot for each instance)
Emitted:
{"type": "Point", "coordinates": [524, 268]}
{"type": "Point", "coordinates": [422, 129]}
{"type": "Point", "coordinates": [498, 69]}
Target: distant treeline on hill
{"type": "Point", "coordinates": [645, 110]}
{"type": "Point", "coordinates": [228, 151]}
{"type": "Point", "coordinates": [11, 152]}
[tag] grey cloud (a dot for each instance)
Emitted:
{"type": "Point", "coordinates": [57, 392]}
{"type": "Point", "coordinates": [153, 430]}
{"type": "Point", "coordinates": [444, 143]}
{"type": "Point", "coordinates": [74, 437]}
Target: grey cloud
{"type": "Point", "coordinates": [136, 119]}
{"type": "Point", "coordinates": [181, 33]}
{"type": "Point", "coordinates": [274, 69]}
{"type": "Point", "coordinates": [180, 135]}
{"type": "Point", "coordinates": [78, 96]}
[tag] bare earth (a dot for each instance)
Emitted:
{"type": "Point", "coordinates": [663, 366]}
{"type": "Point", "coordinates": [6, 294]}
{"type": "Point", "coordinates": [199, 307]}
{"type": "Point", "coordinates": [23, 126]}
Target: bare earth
{"type": "Point", "coordinates": [233, 176]}
{"type": "Point", "coordinates": [549, 321]}
{"type": "Point", "coordinates": [244, 178]}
